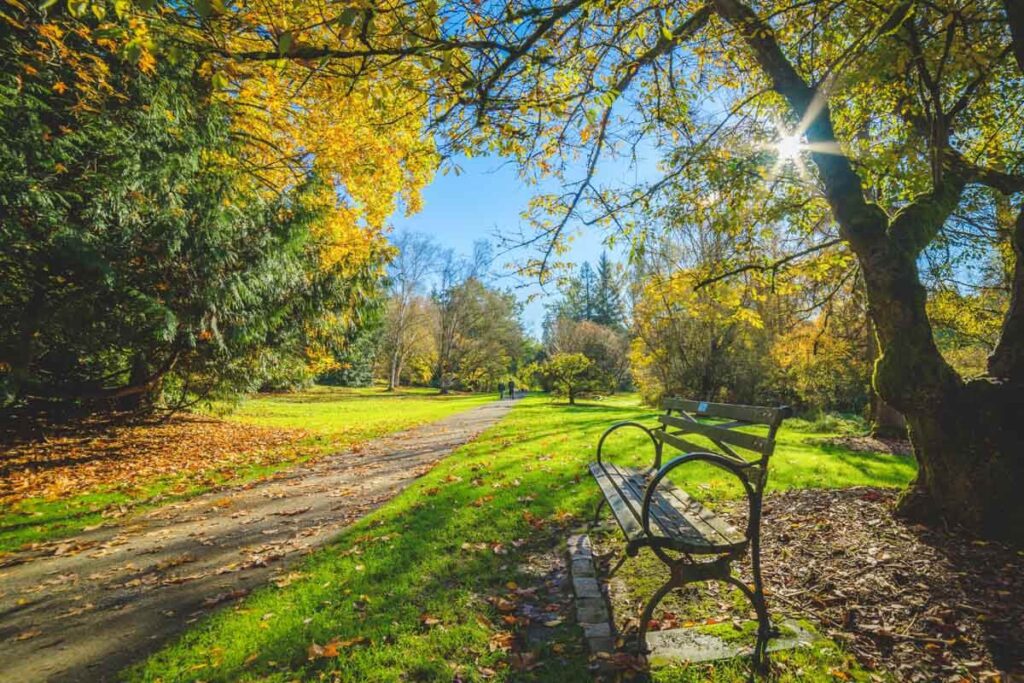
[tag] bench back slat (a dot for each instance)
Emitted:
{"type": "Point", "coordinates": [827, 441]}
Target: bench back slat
{"type": "Point", "coordinates": [678, 442]}
{"type": "Point", "coordinates": [751, 442]}
{"type": "Point", "coordinates": [755, 414]}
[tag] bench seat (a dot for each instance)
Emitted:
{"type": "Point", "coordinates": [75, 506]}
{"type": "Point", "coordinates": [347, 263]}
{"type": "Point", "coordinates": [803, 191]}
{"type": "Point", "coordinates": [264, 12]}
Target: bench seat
{"type": "Point", "coordinates": [677, 521]}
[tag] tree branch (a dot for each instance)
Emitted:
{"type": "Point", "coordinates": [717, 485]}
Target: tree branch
{"type": "Point", "coordinates": [860, 222]}
{"type": "Point", "coordinates": [773, 266]}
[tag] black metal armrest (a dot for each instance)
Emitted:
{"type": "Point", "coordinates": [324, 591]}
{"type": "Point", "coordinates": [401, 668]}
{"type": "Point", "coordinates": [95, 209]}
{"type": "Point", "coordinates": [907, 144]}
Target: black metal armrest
{"type": "Point", "coordinates": [720, 461]}
{"type": "Point", "coordinates": [619, 425]}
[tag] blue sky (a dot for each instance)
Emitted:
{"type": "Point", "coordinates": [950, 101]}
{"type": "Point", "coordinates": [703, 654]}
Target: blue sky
{"type": "Point", "coordinates": [486, 200]}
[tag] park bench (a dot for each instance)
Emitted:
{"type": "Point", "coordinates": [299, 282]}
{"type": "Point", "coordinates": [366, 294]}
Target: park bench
{"type": "Point", "coordinates": [694, 542]}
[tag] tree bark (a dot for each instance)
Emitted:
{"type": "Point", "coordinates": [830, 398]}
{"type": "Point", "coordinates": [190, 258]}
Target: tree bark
{"type": "Point", "coordinates": [971, 467]}
{"type": "Point", "coordinates": [1007, 361]}
{"type": "Point", "coordinates": [886, 421]}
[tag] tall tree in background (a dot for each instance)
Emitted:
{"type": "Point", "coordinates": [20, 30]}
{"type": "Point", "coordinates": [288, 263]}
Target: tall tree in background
{"type": "Point", "coordinates": [405, 317]}
{"type": "Point", "coordinates": [608, 307]}
{"type": "Point", "coordinates": [579, 299]}
{"type": "Point", "coordinates": [593, 296]}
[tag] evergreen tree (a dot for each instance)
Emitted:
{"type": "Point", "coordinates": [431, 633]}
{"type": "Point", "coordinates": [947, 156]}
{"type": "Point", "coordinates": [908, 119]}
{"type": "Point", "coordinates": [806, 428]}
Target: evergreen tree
{"type": "Point", "coordinates": [607, 299]}
{"type": "Point", "coordinates": [138, 260]}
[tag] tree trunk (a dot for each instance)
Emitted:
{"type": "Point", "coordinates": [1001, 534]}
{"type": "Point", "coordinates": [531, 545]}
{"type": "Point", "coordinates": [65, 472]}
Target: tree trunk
{"type": "Point", "coordinates": [886, 421]}
{"type": "Point", "coordinates": [970, 455]}
{"type": "Point", "coordinates": [394, 372]}
{"type": "Point", "coordinates": [967, 436]}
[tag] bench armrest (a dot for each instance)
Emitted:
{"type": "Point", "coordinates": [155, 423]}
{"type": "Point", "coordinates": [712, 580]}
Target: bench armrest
{"type": "Point", "coordinates": [720, 461]}
{"type": "Point", "coordinates": [619, 425]}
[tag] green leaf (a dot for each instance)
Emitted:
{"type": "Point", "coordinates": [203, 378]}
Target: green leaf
{"type": "Point", "coordinates": [47, 4]}
{"type": "Point", "coordinates": [284, 43]}
{"type": "Point", "coordinates": [348, 17]}
{"type": "Point", "coordinates": [78, 8]}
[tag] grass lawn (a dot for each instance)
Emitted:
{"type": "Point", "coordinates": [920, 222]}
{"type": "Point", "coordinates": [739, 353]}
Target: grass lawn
{"type": "Point", "coordinates": [330, 418]}
{"type": "Point", "coordinates": [417, 590]}
{"type": "Point", "coordinates": [339, 417]}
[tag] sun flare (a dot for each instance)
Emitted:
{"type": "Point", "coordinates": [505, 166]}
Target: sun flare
{"type": "Point", "coordinates": [788, 147]}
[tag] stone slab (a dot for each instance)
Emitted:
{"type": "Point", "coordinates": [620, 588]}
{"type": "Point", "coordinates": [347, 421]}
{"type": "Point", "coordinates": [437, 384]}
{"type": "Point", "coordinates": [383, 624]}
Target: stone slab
{"type": "Point", "coordinates": [579, 547]}
{"type": "Point", "coordinates": [591, 610]}
{"type": "Point", "coordinates": [680, 645]}
{"type": "Point", "coordinates": [601, 630]}
{"type": "Point", "coordinates": [583, 567]}
{"type": "Point", "coordinates": [586, 587]}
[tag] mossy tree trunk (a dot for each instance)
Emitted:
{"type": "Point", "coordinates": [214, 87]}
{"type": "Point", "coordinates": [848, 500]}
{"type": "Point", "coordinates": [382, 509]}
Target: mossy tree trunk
{"type": "Point", "coordinates": [968, 436]}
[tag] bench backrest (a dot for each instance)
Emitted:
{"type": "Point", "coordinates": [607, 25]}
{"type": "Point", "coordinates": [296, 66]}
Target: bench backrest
{"type": "Point", "coordinates": [684, 418]}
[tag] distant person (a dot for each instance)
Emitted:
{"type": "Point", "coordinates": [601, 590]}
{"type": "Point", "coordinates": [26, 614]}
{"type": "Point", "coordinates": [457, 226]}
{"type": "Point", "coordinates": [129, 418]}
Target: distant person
{"type": "Point", "coordinates": [511, 388]}
{"type": "Point", "coordinates": [501, 390]}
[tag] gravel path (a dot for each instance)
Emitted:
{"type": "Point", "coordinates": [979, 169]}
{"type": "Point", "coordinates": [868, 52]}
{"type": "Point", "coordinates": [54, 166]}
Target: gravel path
{"type": "Point", "coordinates": [83, 608]}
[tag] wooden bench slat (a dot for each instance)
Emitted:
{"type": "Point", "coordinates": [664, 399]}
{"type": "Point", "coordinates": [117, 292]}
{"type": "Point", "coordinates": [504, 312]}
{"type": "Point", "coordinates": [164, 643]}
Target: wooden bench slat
{"type": "Point", "coordinates": [635, 484]}
{"type": "Point", "coordinates": [628, 521]}
{"type": "Point", "coordinates": [742, 439]}
{"type": "Point", "coordinates": [760, 414]}
{"type": "Point", "coordinates": [728, 533]}
{"type": "Point", "coordinates": [675, 516]}
{"type": "Point", "coordinates": [688, 447]}
{"type": "Point", "coordinates": [673, 509]}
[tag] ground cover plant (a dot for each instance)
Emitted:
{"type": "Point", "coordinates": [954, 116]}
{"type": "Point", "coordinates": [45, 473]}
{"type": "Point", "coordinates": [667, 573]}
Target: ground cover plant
{"type": "Point", "coordinates": [76, 481]}
{"type": "Point", "coordinates": [442, 583]}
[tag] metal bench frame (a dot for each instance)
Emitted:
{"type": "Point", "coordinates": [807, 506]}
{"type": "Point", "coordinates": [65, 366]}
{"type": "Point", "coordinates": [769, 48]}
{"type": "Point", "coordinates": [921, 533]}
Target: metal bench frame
{"type": "Point", "coordinates": [752, 474]}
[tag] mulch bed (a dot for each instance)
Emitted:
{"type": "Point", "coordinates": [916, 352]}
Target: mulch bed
{"type": "Point", "coordinates": [871, 444]}
{"type": "Point", "coordinates": [72, 461]}
{"type": "Point", "coordinates": [915, 603]}
{"type": "Point", "coordinates": [920, 603]}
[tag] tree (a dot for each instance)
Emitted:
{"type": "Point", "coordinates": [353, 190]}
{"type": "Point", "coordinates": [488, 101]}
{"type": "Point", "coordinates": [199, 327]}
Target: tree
{"type": "Point", "coordinates": [579, 299]}
{"type": "Point", "coordinates": [137, 266]}
{"type": "Point", "coordinates": [166, 234]}
{"type": "Point", "coordinates": [569, 372]}
{"type": "Point", "coordinates": [404, 321]}
{"type": "Point", "coordinates": [608, 309]}
{"type": "Point", "coordinates": [479, 335]}
{"type": "Point", "coordinates": [608, 350]}
{"type": "Point", "coordinates": [689, 342]}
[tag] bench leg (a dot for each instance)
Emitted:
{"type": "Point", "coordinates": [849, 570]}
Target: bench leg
{"type": "Point", "coordinates": [761, 606]}
{"type": "Point", "coordinates": [597, 513]}
{"type": "Point", "coordinates": [765, 631]}
{"type": "Point", "coordinates": [618, 565]}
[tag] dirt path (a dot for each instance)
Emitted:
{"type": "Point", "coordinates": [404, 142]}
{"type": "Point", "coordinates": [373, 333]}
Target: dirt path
{"type": "Point", "coordinates": [92, 604]}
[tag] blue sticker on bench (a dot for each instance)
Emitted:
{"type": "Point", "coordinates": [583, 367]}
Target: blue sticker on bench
{"type": "Point", "coordinates": [702, 407]}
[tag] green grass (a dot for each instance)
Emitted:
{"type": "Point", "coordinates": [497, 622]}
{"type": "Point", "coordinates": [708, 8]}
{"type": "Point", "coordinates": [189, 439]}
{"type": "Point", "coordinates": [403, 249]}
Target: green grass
{"type": "Point", "coordinates": [419, 554]}
{"type": "Point", "coordinates": [335, 418]}
{"type": "Point", "coordinates": [338, 417]}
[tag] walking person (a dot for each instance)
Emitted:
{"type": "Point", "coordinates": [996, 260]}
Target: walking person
{"type": "Point", "coordinates": [511, 388]}
{"type": "Point", "coordinates": [501, 390]}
